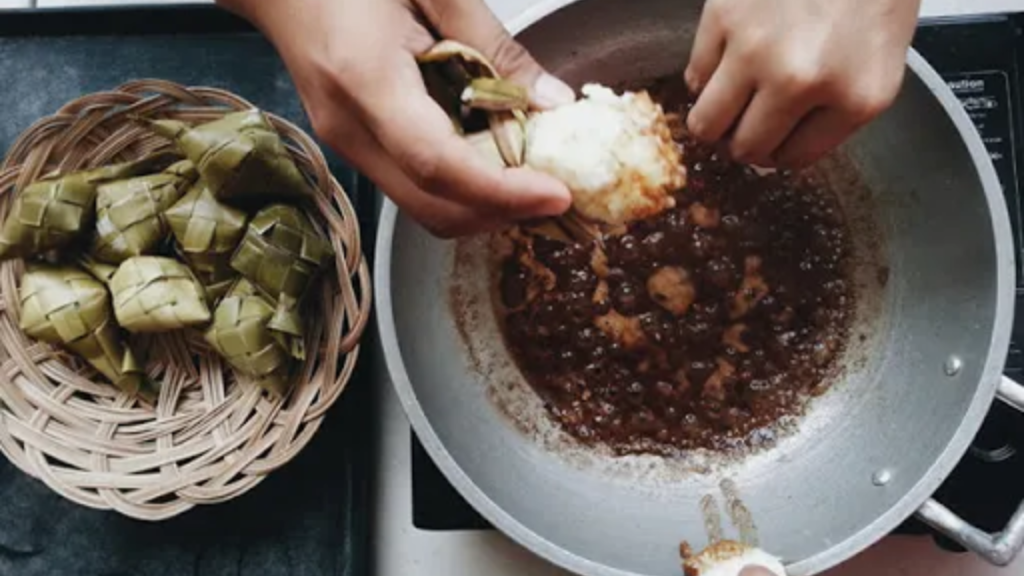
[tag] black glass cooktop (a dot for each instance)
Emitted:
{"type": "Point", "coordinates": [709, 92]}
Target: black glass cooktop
{"type": "Point", "coordinates": [979, 58]}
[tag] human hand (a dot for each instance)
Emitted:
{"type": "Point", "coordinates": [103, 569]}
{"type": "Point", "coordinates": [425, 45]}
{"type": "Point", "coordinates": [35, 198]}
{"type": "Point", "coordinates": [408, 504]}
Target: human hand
{"type": "Point", "coordinates": [785, 82]}
{"type": "Point", "coordinates": [353, 63]}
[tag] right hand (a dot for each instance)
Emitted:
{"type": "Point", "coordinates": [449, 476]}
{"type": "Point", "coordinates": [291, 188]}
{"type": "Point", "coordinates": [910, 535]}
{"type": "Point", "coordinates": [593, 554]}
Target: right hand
{"type": "Point", "coordinates": [354, 64]}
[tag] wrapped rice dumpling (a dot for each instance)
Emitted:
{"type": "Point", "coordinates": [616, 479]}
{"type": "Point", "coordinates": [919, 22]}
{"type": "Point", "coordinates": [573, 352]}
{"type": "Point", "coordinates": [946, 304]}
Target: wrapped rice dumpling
{"type": "Point", "coordinates": [52, 212]}
{"type": "Point", "coordinates": [281, 254]}
{"type": "Point", "coordinates": [101, 270]}
{"type": "Point", "coordinates": [240, 333]}
{"type": "Point", "coordinates": [66, 306]}
{"type": "Point", "coordinates": [157, 294]}
{"type": "Point", "coordinates": [129, 213]}
{"type": "Point", "coordinates": [206, 234]}
{"type": "Point", "coordinates": [238, 155]}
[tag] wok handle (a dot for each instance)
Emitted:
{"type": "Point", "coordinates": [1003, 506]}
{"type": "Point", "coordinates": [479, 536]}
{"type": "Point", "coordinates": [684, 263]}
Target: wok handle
{"type": "Point", "coordinates": [1000, 548]}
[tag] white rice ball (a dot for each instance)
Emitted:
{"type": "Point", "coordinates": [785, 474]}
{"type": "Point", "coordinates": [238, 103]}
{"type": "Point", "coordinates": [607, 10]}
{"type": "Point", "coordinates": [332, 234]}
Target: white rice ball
{"type": "Point", "coordinates": [614, 152]}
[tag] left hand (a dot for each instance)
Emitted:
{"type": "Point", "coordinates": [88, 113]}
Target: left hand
{"type": "Point", "coordinates": [354, 65]}
{"type": "Point", "coordinates": [785, 82]}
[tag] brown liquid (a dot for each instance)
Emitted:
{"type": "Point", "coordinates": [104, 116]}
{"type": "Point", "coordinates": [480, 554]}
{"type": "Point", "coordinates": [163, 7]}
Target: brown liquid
{"type": "Point", "coordinates": [722, 315]}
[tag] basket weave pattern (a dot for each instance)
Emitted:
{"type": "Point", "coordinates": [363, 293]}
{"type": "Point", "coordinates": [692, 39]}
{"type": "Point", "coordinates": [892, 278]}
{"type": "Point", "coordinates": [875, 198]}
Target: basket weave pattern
{"type": "Point", "coordinates": [210, 437]}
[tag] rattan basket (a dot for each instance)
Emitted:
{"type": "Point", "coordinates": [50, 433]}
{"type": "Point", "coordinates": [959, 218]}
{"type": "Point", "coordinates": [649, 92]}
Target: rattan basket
{"type": "Point", "coordinates": [210, 437]}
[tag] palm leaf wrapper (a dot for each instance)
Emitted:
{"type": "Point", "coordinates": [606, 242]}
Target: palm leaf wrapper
{"type": "Point", "coordinates": [110, 226]}
{"type": "Point", "coordinates": [157, 294]}
{"type": "Point", "coordinates": [281, 254]}
{"type": "Point", "coordinates": [129, 213]}
{"type": "Point", "coordinates": [615, 153]}
{"type": "Point", "coordinates": [238, 156]}
{"type": "Point", "coordinates": [206, 233]}
{"type": "Point", "coordinates": [241, 334]}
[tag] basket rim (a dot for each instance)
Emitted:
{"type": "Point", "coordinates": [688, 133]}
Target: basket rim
{"type": "Point", "coordinates": [211, 437]}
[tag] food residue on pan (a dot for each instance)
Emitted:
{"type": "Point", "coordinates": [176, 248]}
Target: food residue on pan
{"type": "Point", "coordinates": [700, 327]}
{"type": "Point", "coordinates": [726, 558]}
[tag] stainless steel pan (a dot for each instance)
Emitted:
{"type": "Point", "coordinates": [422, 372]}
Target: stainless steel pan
{"type": "Point", "coordinates": [928, 207]}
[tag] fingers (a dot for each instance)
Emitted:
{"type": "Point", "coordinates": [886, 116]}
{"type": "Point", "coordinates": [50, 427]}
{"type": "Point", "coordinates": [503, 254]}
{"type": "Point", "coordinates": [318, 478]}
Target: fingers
{"type": "Point", "coordinates": [817, 134]}
{"type": "Point", "coordinates": [472, 22]}
{"type": "Point", "coordinates": [708, 46]}
{"type": "Point", "coordinates": [792, 80]}
{"type": "Point", "coordinates": [420, 139]}
{"type": "Point", "coordinates": [765, 124]}
{"type": "Point", "coordinates": [721, 102]}
{"type": "Point", "coordinates": [440, 217]}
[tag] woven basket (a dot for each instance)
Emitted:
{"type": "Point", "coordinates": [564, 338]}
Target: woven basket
{"type": "Point", "coordinates": [210, 437]}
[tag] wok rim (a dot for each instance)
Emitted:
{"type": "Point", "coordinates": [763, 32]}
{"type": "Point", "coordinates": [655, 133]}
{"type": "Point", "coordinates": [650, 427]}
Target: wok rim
{"type": "Point", "coordinates": [838, 553]}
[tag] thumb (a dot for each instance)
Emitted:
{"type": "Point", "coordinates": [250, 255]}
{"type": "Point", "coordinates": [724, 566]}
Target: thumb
{"type": "Point", "coordinates": [472, 23]}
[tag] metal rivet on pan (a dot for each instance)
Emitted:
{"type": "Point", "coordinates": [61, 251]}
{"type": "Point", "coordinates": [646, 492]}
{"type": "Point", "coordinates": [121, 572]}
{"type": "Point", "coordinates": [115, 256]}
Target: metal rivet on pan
{"type": "Point", "coordinates": [953, 365]}
{"type": "Point", "coordinates": [882, 477]}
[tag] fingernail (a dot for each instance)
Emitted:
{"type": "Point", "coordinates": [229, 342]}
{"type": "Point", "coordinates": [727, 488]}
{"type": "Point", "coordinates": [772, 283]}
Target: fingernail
{"type": "Point", "coordinates": [692, 82]}
{"type": "Point", "coordinates": [549, 92]}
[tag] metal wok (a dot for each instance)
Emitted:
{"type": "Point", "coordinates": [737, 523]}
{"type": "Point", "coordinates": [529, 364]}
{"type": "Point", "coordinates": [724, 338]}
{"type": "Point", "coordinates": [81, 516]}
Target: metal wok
{"type": "Point", "coordinates": [926, 208]}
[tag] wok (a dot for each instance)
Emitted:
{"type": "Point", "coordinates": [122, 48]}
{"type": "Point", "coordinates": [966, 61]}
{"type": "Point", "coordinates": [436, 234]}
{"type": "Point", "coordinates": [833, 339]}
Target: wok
{"type": "Point", "coordinates": [936, 279]}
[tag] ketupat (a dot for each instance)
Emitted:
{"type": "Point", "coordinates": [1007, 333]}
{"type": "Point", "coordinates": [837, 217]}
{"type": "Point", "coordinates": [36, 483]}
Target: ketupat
{"type": "Point", "coordinates": [281, 254]}
{"type": "Point", "coordinates": [129, 213]}
{"type": "Point", "coordinates": [101, 270]}
{"type": "Point", "coordinates": [240, 155]}
{"type": "Point", "coordinates": [241, 335]}
{"type": "Point", "coordinates": [66, 306]}
{"type": "Point", "coordinates": [50, 213]}
{"type": "Point", "coordinates": [157, 294]}
{"type": "Point", "coordinates": [206, 233]}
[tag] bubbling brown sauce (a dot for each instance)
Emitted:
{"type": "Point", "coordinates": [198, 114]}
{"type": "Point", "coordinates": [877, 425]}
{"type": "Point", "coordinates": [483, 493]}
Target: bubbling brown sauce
{"type": "Point", "coordinates": [702, 327]}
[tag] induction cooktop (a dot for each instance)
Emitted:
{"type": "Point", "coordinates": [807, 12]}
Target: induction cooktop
{"type": "Point", "coordinates": [979, 58]}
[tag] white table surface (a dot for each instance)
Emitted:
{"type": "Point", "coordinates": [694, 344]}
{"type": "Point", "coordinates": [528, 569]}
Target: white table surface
{"type": "Point", "coordinates": [402, 550]}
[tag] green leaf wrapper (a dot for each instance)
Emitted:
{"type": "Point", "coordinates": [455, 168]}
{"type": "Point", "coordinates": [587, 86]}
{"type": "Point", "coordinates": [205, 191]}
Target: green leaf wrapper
{"type": "Point", "coordinates": [238, 155]}
{"type": "Point", "coordinates": [52, 212]}
{"type": "Point", "coordinates": [157, 294]}
{"type": "Point", "coordinates": [240, 334]}
{"type": "Point", "coordinates": [101, 270]}
{"type": "Point", "coordinates": [206, 233]}
{"type": "Point", "coordinates": [66, 306]}
{"type": "Point", "coordinates": [281, 254]}
{"type": "Point", "coordinates": [129, 213]}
